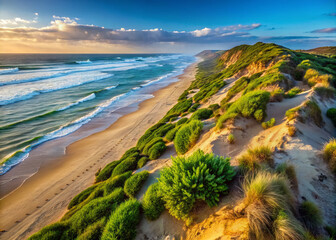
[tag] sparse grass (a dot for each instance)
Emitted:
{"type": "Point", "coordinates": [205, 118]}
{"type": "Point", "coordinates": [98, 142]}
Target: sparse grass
{"type": "Point", "coordinates": [277, 95]}
{"type": "Point", "coordinates": [292, 92]}
{"type": "Point", "coordinates": [255, 157]}
{"type": "Point", "coordinates": [286, 227]}
{"type": "Point", "coordinates": [152, 203]}
{"type": "Point", "coordinates": [329, 154]}
{"type": "Point", "coordinates": [198, 177]}
{"type": "Point", "coordinates": [311, 216]}
{"type": "Point", "coordinates": [268, 124]}
{"type": "Point", "coordinates": [122, 223]}
{"type": "Point", "coordinates": [187, 136]}
{"type": "Point", "coordinates": [289, 171]}
{"type": "Point", "coordinates": [313, 112]}
{"type": "Point", "coordinates": [331, 113]}
{"type": "Point", "coordinates": [291, 130]}
{"type": "Point", "coordinates": [325, 92]}
{"type": "Point", "coordinates": [231, 138]}
{"type": "Point", "coordinates": [292, 113]}
{"type": "Point", "coordinates": [134, 183]}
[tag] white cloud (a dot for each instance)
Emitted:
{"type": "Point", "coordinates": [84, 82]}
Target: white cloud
{"type": "Point", "coordinates": [17, 21]}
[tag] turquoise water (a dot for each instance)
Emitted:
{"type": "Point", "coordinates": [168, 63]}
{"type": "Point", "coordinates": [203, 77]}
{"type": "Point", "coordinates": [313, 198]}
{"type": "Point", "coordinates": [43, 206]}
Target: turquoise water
{"type": "Point", "coordinates": [43, 97]}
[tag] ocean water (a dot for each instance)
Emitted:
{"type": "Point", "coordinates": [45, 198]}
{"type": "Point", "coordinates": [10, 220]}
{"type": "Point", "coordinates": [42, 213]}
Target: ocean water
{"type": "Point", "coordinates": [47, 96]}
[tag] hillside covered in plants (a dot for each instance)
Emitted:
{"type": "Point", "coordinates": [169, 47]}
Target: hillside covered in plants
{"type": "Point", "coordinates": [247, 152]}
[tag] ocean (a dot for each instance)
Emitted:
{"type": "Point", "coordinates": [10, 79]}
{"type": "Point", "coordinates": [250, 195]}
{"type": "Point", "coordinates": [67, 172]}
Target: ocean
{"type": "Point", "coordinates": [48, 96]}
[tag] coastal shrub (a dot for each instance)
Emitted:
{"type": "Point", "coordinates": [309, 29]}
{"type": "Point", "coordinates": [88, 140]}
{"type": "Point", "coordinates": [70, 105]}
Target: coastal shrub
{"type": "Point", "coordinates": [214, 106]}
{"type": "Point", "coordinates": [231, 138]}
{"type": "Point", "coordinates": [130, 152]}
{"type": "Point", "coordinates": [289, 171]}
{"type": "Point", "coordinates": [325, 92]}
{"type": "Point", "coordinates": [94, 231]}
{"type": "Point", "coordinates": [329, 154]}
{"type": "Point", "coordinates": [142, 161]}
{"type": "Point", "coordinates": [157, 150]}
{"type": "Point", "coordinates": [253, 104]}
{"type": "Point", "coordinates": [150, 144]}
{"type": "Point", "coordinates": [255, 157]}
{"type": "Point", "coordinates": [277, 95]}
{"type": "Point", "coordinates": [54, 231]}
{"type": "Point", "coordinates": [291, 130]}
{"type": "Point", "coordinates": [171, 134]}
{"type": "Point", "coordinates": [153, 136]}
{"type": "Point", "coordinates": [286, 227]}
{"type": "Point", "coordinates": [271, 78]}
{"type": "Point", "coordinates": [116, 182]}
{"type": "Point", "coordinates": [292, 92]}
{"type": "Point", "coordinates": [134, 183]}
{"type": "Point", "coordinates": [201, 114]}
{"type": "Point", "coordinates": [181, 121]}
{"type": "Point", "coordinates": [106, 172]}
{"type": "Point", "coordinates": [152, 203]}
{"type": "Point", "coordinates": [239, 85]}
{"type": "Point", "coordinates": [194, 107]}
{"type": "Point", "coordinates": [292, 113]}
{"type": "Point", "coordinates": [81, 196]}
{"type": "Point", "coordinates": [127, 165]}
{"type": "Point", "coordinates": [331, 113]}
{"type": "Point", "coordinates": [311, 216]}
{"type": "Point", "coordinates": [123, 221]}
{"type": "Point", "coordinates": [198, 177]}
{"type": "Point", "coordinates": [265, 195]}
{"type": "Point", "coordinates": [268, 124]}
{"type": "Point", "coordinates": [144, 139]}
{"type": "Point", "coordinates": [187, 136]}
{"type": "Point", "coordinates": [208, 90]}
{"type": "Point", "coordinates": [331, 230]}
{"type": "Point", "coordinates": [313, 112]}
{"type": "Point", "coordinates": [180, 107]}
{"type": "Point", "coordinates": [96, 210]}
{"type": "Point", "coordinates": [184, 95]}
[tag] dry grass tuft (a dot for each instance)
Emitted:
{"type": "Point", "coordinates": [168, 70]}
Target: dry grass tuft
{"type": "Point", "coordinates": [329, 154]}
{"type": "Point", "coordinates": [254, 158]}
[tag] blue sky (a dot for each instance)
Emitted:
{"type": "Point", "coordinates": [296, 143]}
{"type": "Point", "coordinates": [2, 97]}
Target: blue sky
{"type": "Point", "coordinates": [177, 26]}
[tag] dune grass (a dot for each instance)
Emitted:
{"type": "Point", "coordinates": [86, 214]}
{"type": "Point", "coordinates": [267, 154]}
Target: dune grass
{"type": "Point", "coordinates": [288, 170]}
{"type": "Point", "coordinates": [292, 92]}
{"type": "Point", "coordinates": [187, 136]}
{"type": "Point", "coordinates": [255, 158]}
{"type": "Point", "coordinates": [152, 203]}
{"type": "Point", "coordinates": [134, 183]}
{"type": "Point", "coordinates": [231, 138]}
{"type": "Point", "coordinates": [291, 130]}
{"type": "Point", "coordinates": [202, 114]}
{"type": "Point", "coordinates": [142, 161]}
{"type": "Point", "coordinates": [311, 216]}
{"type": "Point", "coordinates": [331, 113]}
{"type": "Point", "coordinates": [268, 124]}
{"type": "Point", "coordinates": [329, 154]}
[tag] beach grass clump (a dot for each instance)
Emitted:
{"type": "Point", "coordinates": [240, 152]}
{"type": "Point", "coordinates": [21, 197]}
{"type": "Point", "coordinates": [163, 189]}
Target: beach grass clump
{"type": "Point", "coordinates": [142, 161]}
{"type": "Point", "coordinates": [286, 227]}
{"type": "Point", "coordinates": [252, 104]}
{"type": "Point", "coordinates": [134, 183]}
{"type": "Point", "coordinates": [277, 95]}
{"type": "Point", "coordinates": [292, 113]}
{"type": "Point", "coordinates": [171, 134]}
{"type": "Point", "coordinates": [184, 95]}
{"type": "Point", "coordinates": [118, 181]}
{"type": "Point", "coordinates": [311, 216]}
{"type": "Point", "coordinates": [181, 107]}
{"type": "Point", "coordinates": [53, 231]}
{"type": "Point", "coordinates": [106, 172]}
{"type": "Point", "coordinates": [292, 92]}
{"type": "Point", "coordinates": [255, 158]}
{"type": "Point", "coordinates": [214, 107]}
{"type": "Point", "coordinates": [81, 196]}
{"type": "Point", "coordinates": [181, 121]}
{"type": "Point", "coordinates": [157, 150]}
{"type": "Point", "coordinates": [93, 231]}
{"type": "Point", "coordinates": [329, 154]}
{"type": "Point", "coordinates": [198, 177]}
{"type": "Point", "coordinates": [325, 92]}
{"type": "Point", "coordinates": [266, 195]}
{"type": "Point", "coordinates": [126, 165]}
{"type": "Point", "coordinates": [239, 85]}
{"type": "Point", "coordinates": [152, 203]}
{"type": "Point", "coordinates": [291, 130]}
{"type": "Point", "coordinates": [187, 136]}
{"type": "Point", "coordinates": [123, 221]}
{"type": "Point", "coordinates": [202, 114]}
{"type": "Point", "coordinates": [270, 123]}
{"type": "Point", "coordinates": [313, 112]}
{"type": "Point", "coordinates": [194, 107]}
{"type": "Point", "coordinates": [288, 170]}
{"type": "Point", "coordinates": [331, 113]}
{"type": "Point", "coordinates": [231, 138]}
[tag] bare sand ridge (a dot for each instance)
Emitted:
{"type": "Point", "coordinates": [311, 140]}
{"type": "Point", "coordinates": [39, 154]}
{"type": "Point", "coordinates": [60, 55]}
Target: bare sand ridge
{"type": "Point", "coordinates": [43, 198]}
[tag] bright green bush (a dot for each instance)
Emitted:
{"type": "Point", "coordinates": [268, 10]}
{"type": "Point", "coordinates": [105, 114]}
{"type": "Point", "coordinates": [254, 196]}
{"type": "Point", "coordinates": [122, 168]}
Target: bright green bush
{"type": "Point", "coordinates": [231, 138]}
{"type": "Point", "coordinates": [157, 150]}
{"type": "Point", "coordinates": [187, 136]}
{"type": "Point", "coordinates": [311, 216]}
{"type": "Point", "coordinates": [124, 166]}
{"type": "Point", "coordinates": [198, 177]}
{"type": "Point", "coordinates": [292, 92]}
{"type": "Point", "coordinates": [331, 113]}
{"type": "Point", "coordinates": [134, 183]}
{"type": "Point", "coordinates": [194, 107]}
{"type": "Point", "coordinates": [116, 182]}
{"type": "Point", "coordinates": [152, 203]}
{"type": "Point", "coordinates": [81, 196]}
{"type": "Point", "coordinates": [150, 144]}
{"type": "Point", "coordinates": [123, 221]}
{"type": "Point", "coordinates": [106, 172]}
{"type": "Point", "coordinates": [142, 161]}
{"type": "Point", "coordinates": [201, 114]}
{"type": "Point", "coordinates": [268, 124]}
{"type": "Point", "coordinates": [252, 104]}
{"type": "Point", "coordinates": [94, 231]}
{"type": "Point", "coordinates": [181, 107]}
{"type": "Point", "coordinates": [214, 107]}
{"type": "Point", "coordinates": [171, 134]}
{"type": "Point", "coordinates": [329, 154]}
{"type": "Point", "coordinates": [54, 231]}
{"type": "Point", "coordinates": [181, 121]}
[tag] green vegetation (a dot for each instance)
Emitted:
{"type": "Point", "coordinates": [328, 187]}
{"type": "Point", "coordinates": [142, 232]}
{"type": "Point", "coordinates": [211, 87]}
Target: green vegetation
{"type": "Point", "coordinates": [127, 165]}
{"type": "Point", "coordinates": [239, 85]}
{"type": "Point", "coordinates": [311, 216]}
{"type": "Point", "coordinates": [122, 223]}
{"type": "Point", "coordinates": [292, 92]}
{"type": "Point", "coordinates": [142, 161]}
{"type": "Point", "coordinates": [254, 158]}
{"type": "Point", "coordinates": [331, 113]}
{"type": "Point", "coordinates": [194, 107]}
{"type": "Point", "coordinates": [134, 183]}
{"type": "Point", "coordinates": [231, 138]}
{"type": "Point", "coordinates": [107, 171]}
{"type": "Point", "coordinates": [325, 92]}
{"type": "Point", "coordinates": [202, 114]}
{"type": "Point", "coordinates": [288, 170]}
{"type": "Point", "coordinates": [181, 121]}
{"type": "Point", "coordinates": [214, 107]}
{"type": "Point", "coordinates": [153, 204]}
{"type": "Point", "coordinates": [253, 104]}
{"type": "Point", "coordinates": [277, 95]}
{"type": "Point", "coordinates": [187, 136]}
{"type": "Point", "coordinates": [198, 177]}
{"type": "Point", "coordinates": [180, 107]}
{"type": "Point", "coordinates": [291, 130]}
{"type": "Point", "coordinates": [329, 154]}
{"type": "Point", "coordinates": [292, 113]}
{"type": "Point", "coordinates": [313, 112]}
{"type": "Point", "coordinates": [268, 124]}
{"type": "Point", "coordinates": [287, 227]}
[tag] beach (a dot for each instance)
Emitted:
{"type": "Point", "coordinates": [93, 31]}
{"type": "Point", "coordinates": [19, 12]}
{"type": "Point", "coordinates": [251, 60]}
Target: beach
{"type": "Point", "coordinates": [43, 198]}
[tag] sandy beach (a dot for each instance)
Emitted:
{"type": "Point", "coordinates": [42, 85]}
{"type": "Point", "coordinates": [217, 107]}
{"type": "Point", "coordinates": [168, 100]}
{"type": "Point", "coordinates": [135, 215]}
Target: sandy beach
{"type": "Point", "coordinates": [43, 197]}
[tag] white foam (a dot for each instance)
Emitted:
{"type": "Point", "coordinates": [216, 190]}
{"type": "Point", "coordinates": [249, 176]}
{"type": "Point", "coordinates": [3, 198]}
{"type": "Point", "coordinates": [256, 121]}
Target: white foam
{"type": "Point", "coordinates": [8, 70]}
{"type": "Point", "coordinates": [111, 87]}
{"type": "Point", "coordinates": [84, 62]}
{"type": "Point", "coordinates": [84, 99]}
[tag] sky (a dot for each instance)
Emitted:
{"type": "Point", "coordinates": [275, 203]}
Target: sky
{"type": "Point", "coordinates": [157, 26]}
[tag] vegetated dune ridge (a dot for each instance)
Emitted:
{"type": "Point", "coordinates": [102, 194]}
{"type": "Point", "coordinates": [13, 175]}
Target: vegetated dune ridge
{"type": "Point", "coordinates": [264, 106]}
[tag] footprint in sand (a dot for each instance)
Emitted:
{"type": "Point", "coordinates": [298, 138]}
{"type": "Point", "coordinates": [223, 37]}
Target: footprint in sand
{"type": "Point", "coordinates": [47, 200]}
{"type": "Point", "coordinates": [38, 206]}
{"type": "Point", "coordinates": [17, 221]}
{"type": "Point", "coordinates": [27, 214]}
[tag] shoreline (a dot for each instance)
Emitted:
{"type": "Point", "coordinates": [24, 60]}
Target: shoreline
{"type": "Point", "coordinates": [57, 181]}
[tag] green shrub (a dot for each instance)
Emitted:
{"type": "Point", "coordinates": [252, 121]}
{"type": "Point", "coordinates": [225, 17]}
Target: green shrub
{"type": "Point", "coordinates": [292, 113]}
{"type": "Point", "coordinates": [255, 157]}
{"type": "Point", "coordinates": [329, 154]}
{"type": "Point", "coordinates": [181, 107]}
{"type": "Point", "coordinates": [268, 124]}
{"type": "Point", "coordinates": [96, 210]}
{"type": "Point", "coordinates": [134, 183]}
{"type": "Point", "coordinates": [152, 203]}
{"type": "Point", "coordinates": [198, 177]}
{"type": "Point", "coordinates": [331, 113]}
{"type": "Point", "coordinates": [130, 152]}
{"type": "Point", "coordinates": [239, 85]}
{"type": "Point", "coordinates": [94, 231]}
{"type": "Point", "coordinates": [252, 104]}
{"type": "Point", "coordinates": [157, 150]}
{"type": "Point", "coordinates": [277, 95]}
{"type": "Point", "coordinates": [187, 136]}
{"type": "Point", "coordinates": [123, 221]}
{"type": "Point", "coordinates": [124, 166]}
{"type": "Point", "coordinates": [116, 182]}
{"type": "Point", "coordinates": [142, 161]}
{"type": "Point", "coordinates": [201, 114]}
{"type": "Point", "coordinates": [181, 121]}
{"type": "Point", "coordinates": [292, 92]}
{"type": "Point", "coordinates": [214, 107]}
{"type": "Point", "coordinates": [311, 216]}
{"type": "Point", "coordinates": [106, 172]}
{"type": "Point", "coordinates": [231, 138]}
{"type": "Point", "coordinates": [194, 107]}
{"type": "Point", "coordinates": [171, 134]}
{"type": "Point", "coordinates": [81, 196]}
{"type": "Point", "coordinates": [54, 231]}
{"type": "Point", "coordinates": [183, 96]}
{"type": "Point", "coordinates": [150, 144]}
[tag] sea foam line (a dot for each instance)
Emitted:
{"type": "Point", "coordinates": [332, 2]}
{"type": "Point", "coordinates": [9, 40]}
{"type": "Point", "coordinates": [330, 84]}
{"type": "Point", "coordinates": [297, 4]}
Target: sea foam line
{"type": "Point", "coordinates": [8, 70]}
